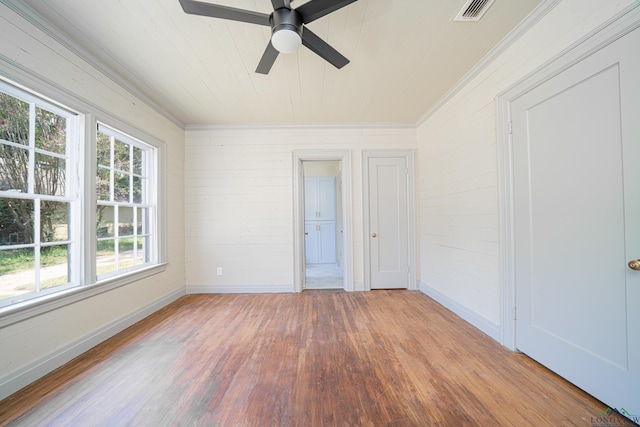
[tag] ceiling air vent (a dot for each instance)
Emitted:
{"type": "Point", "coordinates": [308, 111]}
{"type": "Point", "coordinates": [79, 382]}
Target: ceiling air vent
{"type": "Point", "coordinates": [473, 10]}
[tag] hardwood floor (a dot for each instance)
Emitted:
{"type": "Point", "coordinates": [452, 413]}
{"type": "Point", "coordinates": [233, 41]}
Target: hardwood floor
{"type": "Point", "coordinates": [319, 358]}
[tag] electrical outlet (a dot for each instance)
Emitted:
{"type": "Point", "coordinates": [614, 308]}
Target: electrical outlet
{"type": "Point", "coordinates": [219, 272]}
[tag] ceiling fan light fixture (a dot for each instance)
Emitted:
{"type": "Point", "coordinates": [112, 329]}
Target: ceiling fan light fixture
{"type": "Point", "coordinates": [286, 30]}
{"type": "Point", "coordinates": [286, 41]}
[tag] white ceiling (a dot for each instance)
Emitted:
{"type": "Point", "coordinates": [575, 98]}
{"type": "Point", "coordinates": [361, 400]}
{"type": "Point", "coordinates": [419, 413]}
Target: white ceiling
{"type": "Point", "coordinates": [405, 55]}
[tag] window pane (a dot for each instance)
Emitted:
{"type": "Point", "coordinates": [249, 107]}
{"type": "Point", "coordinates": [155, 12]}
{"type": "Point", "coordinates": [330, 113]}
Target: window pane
{"type": "Point", "coordinates": [125, 245]}
{"type": "Point", "coordinates": [14, 119]}
{"type": "Point", "coordinates": [50, 175]}
{"type": "Point", "coordinates": [126, 248]}
{"type": "Point", "coordinates": [14, 163]}
{"type": "Point", "coordinates": [103, 150]}
{"type": "Point", "coordinates": [54, 221]}
{"type": "Point", "coordinates": [54, 269]}
{"type": "Point", "coordinates": [121, 191]}
{"type": "Point", "coordinates": [137, 160]}
{"type": "Point", "coordinates": [121, 156]}
{"type": "Point", "coordinates": [106, 257]}
{"type": "Point", "coordinates": [104, 220]}
{"type": "Point", "coordinates": [17, 274]}
{"type": "Point", "coordinates": [141, 250]}
{"type": "Point", "coordinates": [51, 131]}
{"type": "Point", "coordinates": [137, 189]}
{"type": "Point", "coordinates": [125, 221]}
{"type": "Point", "coordinates": [16, 221]}
{"type": "Point", "coordinates": [141, 221]}
{"type": "Point", "coordinates": [103, 180]}
{"type": "Point", "coordinates": [16, 260]}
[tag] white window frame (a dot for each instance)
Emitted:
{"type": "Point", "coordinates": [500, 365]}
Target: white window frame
{"type": "Point", "coordinates": [149, 203]}
{"type": "Point", "coordinates": [84, 183]}
{"type": "Point", "coordinates": [71, 195]}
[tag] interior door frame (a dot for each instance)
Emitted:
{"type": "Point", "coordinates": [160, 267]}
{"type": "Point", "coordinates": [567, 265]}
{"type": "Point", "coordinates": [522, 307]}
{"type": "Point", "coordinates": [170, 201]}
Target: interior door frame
{"type": "Point", "coordinates": [411, 212]}
{"type": "Point", "coordinates": [300, 156]}
{"type": "Point", "coordinates": [622, 24]}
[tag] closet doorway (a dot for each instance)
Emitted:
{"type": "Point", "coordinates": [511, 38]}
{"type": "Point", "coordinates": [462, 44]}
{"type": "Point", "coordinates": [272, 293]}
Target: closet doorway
{"type": "Point", "coordinates": [322, 199]}
{"type": "Point", "coordinates": [323, 225]}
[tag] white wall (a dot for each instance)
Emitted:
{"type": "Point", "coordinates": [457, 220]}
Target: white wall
{"type": "Point", "coordinates": [31, 347]}
{"type": "Point", "coordinates": [239, 201]}
{"type": "Point", "coordinates": [458, 196]}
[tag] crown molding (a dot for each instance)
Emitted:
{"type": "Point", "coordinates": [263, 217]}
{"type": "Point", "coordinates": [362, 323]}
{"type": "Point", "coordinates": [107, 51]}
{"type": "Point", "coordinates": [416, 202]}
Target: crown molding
{"type": "Point", "coordinates": [258, 126]}
{"type": "Point", "coordinates": [60, 37]}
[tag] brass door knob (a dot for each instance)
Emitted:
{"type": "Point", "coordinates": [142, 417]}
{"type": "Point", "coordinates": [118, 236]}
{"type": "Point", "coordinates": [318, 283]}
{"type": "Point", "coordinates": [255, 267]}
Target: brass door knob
{"type": "Point", "coordinates": [374, 235]}
{"type": "Point", "coordinates": [635, 264]}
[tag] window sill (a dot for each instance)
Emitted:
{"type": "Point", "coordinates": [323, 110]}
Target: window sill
{"type": "Point", "coordinates": [35, 307]}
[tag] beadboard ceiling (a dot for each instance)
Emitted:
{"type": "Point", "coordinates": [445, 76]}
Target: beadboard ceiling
{"type": "Point", "coordinates": [405, 55]}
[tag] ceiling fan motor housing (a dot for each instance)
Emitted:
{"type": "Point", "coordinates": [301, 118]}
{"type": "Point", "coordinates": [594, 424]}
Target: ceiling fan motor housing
{"type": "Point", "coordinates": [285, 22]}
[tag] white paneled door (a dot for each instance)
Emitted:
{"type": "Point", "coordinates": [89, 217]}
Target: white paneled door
{"type": "Point", "coordinates": [320, 198]}
{"type": "Point", "coordinates": [388, 222]}
{"type": "Point", "coordinates": [576, 157]}
{"type": "Point", "coordinates": [320, 242]}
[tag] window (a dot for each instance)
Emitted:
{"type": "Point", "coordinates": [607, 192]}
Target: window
{"type": "Point", "coordinates": [69, 222]}
{"type": "Point", "coordinates": [124, 213]}
{"type": "Point", "coordinates": [38, 203]}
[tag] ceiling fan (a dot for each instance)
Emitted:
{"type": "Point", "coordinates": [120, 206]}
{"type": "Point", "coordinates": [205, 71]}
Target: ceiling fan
{"type": "Point", "coordinates": [288, 30]}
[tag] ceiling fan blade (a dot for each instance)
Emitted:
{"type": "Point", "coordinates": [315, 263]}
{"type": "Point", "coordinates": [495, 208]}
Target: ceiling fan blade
{"type": "Point", "coordinates": [268, 58]}
{"type": "Point", "coordinates": [223, 12]}
{"type": "Point", "coordinates": [322, 48]}
{"type": "Point", "coordinates": [318, 8]}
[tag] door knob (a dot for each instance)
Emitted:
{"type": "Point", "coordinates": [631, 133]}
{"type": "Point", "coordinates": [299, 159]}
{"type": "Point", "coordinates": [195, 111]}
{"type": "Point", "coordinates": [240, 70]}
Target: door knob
{"type": "Point", "coordinates": [374, 235]}
{"type": "Point", "coordinates": [635, 264]}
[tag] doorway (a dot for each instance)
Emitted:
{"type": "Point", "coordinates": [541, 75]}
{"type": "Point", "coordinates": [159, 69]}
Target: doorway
{"type": "Point", "coordinates": [336, 270]}
{"type": "Point", "coordinates": [323, 224]}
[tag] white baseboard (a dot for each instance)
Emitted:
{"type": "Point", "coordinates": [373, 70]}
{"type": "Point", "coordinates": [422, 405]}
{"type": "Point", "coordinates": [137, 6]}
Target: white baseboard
{"type": "Point", "coordinates": [490, 328]}
{"type": "Point", "coordinates": [239, 289]}
{"type": "Point", "coordinates": [24, 376]}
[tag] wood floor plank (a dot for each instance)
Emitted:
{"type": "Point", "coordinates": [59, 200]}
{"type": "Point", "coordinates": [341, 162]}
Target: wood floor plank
{"type": "Point", "coordinates": [319, 358]}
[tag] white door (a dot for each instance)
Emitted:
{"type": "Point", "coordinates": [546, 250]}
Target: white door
{"type": "Point", "coordinates": [576, 157]}
{"type": "Point", "coordinates": [310, 199]}
{"type": "Point", "coordinates": [327, 238]}
{"type": "Point", "coordinates": [320, 242]}
{"type": "Point", "coordinates": [326, 198]}
{"type": "Point", "coordinates": [311, 243]}
{"type": "Point", "coordinates": [320, 198]}
{"type": "Point", "coordinates": [388, 223]}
